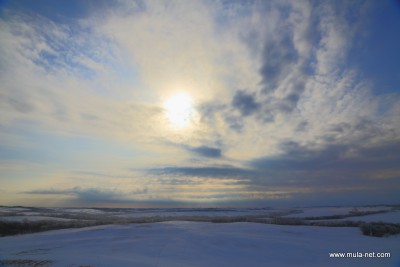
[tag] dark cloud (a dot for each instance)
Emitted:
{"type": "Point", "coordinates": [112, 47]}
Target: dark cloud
{"type": "Point", "coordinates": [289, 103]}
{"type": "Point", "coordinates": [279, 54]}
{"type": "Point", "coordinates": [223, 172]}
{"type": "Point", "coordinates": [332, 158]}
{"type": "Point", "coordinates": [340, 127]}
{"type": "Point", "coordinates": [91, 195]}
{"type": "Point", "coordinates": [281, 64]}
{"type": "Point", "coordinates": [306, 175]}
{"type": "Point", "coordinates": [205, 151]}
{"type": "Point", "coordinates": [334, 174]}
{"type": "Point", "coordinates": [71, 191]}
{"type": "Point", "coordinates": [351, 160]}
{"type": "Point", "coordinates": [95, 196]}
{"type": "Point", "coordinates": [245, 103]}
{"type": "Point", "coordinates": [202, 151]}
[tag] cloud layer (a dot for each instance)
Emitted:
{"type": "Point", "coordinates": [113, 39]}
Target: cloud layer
{"type": "Point", "coordinates": [283, 113]}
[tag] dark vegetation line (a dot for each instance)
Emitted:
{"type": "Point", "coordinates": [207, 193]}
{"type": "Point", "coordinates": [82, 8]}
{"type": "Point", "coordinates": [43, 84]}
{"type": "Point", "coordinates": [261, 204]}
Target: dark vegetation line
{"type": "Point", "coordinates": [353, 213]}
{"type": "Point", "coordinates": [38, 263]}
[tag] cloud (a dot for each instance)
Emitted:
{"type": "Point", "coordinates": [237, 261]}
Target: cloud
{"type": "Point", "coordinates": [75, 81]}
{"type": "Point", "coordinates": [204, 151]}
{"type": "Point", "coordinates": [296, 99]}
{"type": "Point", "coordinates": [92, 195]}
{"type": "Point", "coordinates": [303, 173]}
{"type": "Point", "coordinates": [245, 103]}
{"type": "Point", "coordinates": [279, 56]}
{"type": "Point", "coordinates": [332, 158]}
{"type": "Point", "coordinates": [223, 172]}
{"type": "Point", "coordinates": [334, 174]}
{"type": "Point", "coordinates": [282, 108]}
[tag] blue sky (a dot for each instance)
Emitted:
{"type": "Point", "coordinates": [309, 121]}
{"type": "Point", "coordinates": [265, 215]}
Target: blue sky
{"type": "Point", "coordinates": [199, 103]}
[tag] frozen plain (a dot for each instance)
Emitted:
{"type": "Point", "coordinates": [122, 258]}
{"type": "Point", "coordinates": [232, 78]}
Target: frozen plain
{"type": "Point", "coordinates": [180, 243]}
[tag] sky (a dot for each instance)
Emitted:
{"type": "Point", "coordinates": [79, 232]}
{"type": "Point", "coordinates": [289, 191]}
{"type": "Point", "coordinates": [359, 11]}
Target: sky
{"type": "Point", "coordinates": [199, 103]}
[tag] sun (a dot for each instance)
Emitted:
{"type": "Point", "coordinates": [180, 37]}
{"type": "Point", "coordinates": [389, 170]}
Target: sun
{"type": "Point", "coordinates": [179, 110]}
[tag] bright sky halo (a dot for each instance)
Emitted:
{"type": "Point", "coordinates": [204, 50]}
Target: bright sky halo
{"type": "Point", "coordinates": [179, 110]}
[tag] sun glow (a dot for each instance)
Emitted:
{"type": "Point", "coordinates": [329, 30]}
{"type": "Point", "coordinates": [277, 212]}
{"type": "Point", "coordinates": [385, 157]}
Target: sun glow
{"type": "Point", "coordinates": [179, 110]}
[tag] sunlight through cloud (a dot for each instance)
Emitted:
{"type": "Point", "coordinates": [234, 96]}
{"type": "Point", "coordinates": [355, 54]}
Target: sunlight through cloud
{"type": "Point", "coordinates": [180, 111]}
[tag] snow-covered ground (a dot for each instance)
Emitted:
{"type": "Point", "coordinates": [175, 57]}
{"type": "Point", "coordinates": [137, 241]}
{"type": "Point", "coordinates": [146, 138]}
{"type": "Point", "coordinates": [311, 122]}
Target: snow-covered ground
{"type": "Point", "coordinates": [180, 243]}
{"type": "Point", "coordinates": [177, 244]}
{"type": "Point", "coordinates": [194, 213]}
